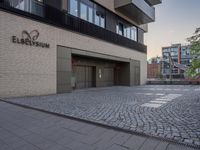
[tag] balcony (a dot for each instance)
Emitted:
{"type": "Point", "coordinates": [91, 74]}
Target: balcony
{"type": "Point", "coordinates": [137, 10]}
{"type": "Point", "coordinates": [55, 17]}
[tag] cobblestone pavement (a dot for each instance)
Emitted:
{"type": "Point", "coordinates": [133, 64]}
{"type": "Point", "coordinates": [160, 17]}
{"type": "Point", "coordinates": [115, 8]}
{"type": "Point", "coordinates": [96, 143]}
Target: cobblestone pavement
{"type": "Point", "coordinates": [171, 112]}
{"type": "Point", "coordinates": [26, 129]}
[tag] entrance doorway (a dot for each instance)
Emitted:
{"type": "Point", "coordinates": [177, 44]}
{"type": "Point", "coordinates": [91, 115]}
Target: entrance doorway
{"type": "Point", "coordinates": [84, 76]}
{"type": "Point", "coordinates": [108, 75]}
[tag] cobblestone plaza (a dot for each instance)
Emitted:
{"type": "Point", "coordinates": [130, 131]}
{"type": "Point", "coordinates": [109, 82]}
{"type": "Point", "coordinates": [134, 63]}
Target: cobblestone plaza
{"type": "Point", "coordinates": [170, 112]}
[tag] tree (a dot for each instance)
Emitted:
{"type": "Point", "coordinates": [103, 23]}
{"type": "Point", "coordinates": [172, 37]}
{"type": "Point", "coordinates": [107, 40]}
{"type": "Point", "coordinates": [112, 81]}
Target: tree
{"type": "Point", "coordinates": [194, 70]}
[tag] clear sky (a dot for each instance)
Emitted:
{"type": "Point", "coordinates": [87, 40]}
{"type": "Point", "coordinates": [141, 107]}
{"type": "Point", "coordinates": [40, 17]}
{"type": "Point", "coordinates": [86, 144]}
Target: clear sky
{"type": "Point", "coordinates": [175, 21]}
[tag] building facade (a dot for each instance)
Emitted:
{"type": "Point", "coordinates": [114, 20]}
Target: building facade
{"type": "Point", "coordinates": [55, 46]}
{"type": "Point", "coordinates": [180, 58]}
{"type": "Point", "coordinates": [154, 68]}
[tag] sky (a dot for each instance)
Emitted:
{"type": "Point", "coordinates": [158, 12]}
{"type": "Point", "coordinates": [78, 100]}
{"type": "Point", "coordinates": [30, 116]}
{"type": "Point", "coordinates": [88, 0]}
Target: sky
{"type": "Point", "coordinates": [176, 20]}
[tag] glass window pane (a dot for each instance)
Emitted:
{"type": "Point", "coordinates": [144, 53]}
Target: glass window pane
{"type": "Point", "coordinates": [97, 18]}
{"type": "Point", "coordinates": [125, 32]}
{"type": "Point", "coordinates": [20, 4]}
{"type": "Point", "coordinates": [117, 28]}
{"type": "Point", "coordinates": [90, 14]}
{"type": "Point", "coordinates": [128, 33]}
{"type": "Point", "coordinates": [73, 7]}
{"type": "Point", "coordinates": [37, 7]}
{"type": "Point", "coordinates": [121, 29]}
{"type": "Point", "coordinates": [32, 6]}
{"type": "Point", "coordinates": [134, 33]}
{"type": "Point", "coordinates": [83, 11]}
{"type": "Point", "coordinates": [102, 22]}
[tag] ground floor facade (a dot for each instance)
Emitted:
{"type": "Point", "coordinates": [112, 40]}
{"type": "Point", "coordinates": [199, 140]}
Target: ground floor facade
{"type": "Point", "coordinates": [39, 59]}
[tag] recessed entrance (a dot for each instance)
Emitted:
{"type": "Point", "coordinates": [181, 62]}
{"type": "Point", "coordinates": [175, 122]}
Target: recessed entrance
{"type": "Point", "coordinates": [84, 76]}
{"type": "Point", "coordinates": [90, 72]}
{"type": "Point", "coordinates": [78, 69]}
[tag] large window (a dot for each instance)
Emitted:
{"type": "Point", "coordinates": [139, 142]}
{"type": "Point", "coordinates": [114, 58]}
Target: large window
{"type": "Point", "coordinates": [127, 31]}
{"type": "Point", "coordinates": [73, 7]}
{"type": "Point", "coordinates": [83, 11]}
{"type": "Point", "coordinates": [120, 29]}
{"type": "Point", "coordinates": [87, 10]}
{"type": "Point", "coordinates": [134, 33]}
{"type": "Point", "coordinates": [90, 14]}
{"type": "Point", "coordinates": [32, 6]}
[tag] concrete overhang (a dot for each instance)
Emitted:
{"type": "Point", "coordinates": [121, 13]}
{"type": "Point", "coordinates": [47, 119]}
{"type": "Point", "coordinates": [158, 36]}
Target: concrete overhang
{"type": "Point", "coordinates": [137, 10]}
{"type": "Point", "coordinates": [154, 2]}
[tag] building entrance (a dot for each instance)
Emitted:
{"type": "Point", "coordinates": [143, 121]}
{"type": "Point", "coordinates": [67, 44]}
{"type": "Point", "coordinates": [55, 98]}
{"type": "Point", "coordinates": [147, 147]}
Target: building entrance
{"type": "Point", "coordinates": [84, 76]}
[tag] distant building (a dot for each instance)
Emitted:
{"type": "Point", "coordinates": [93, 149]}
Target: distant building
{"type": "Point", "coordinates": [154, 68]}
{"type": "Point", "coordinates": [179, 57]}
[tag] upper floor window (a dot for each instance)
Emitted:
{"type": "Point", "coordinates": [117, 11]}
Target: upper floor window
{"type": "Point", "coordinates": [32, 6]}
{"type": "Point", "coordinates": [120, 29]}
{"type": "Point", "coordinates": [99, 19]}
{"type": "Point", "coordinates": [83, 11]}
{"type": "Point", "coordinates": [134, 33]}
{"type": "Point", "coordinates": [73, 7]}
{"type": "Point", "coordinates": [87, 10]}
{"type": "Point", "coordinates": [127, 31]}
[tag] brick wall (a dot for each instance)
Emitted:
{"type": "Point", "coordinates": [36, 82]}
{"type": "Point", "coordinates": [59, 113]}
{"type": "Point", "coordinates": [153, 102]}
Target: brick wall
{"type": "Point", "coordinates": [26, 70]}
{"type": "Point", "coordinates": [153, 71]}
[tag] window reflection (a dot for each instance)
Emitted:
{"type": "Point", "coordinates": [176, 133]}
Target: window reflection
{"type": "Point", "coordinates": [127, 31]}
{"type": "Point", "coordinates": [87, 10]}
{"type": "Point", "coordinates": [32, 6]}
{"type": "Point", "coordinates": [83, 11]}
{"type": "Point", "coordinates": [90, 14]}
{"type": "Point", "coordinates": [73, 7]}
{"type": "Point", "coordinates": [102, 22]}
{"type": "Point", "coordinates": [97, 18]}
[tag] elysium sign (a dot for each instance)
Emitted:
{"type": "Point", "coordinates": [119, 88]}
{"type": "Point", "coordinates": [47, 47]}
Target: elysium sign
{"type": "Point", "coordinates": [30, 39]}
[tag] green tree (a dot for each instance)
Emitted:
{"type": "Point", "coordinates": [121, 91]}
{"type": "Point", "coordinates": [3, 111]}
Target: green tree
{"type": "Point", "coordinates": [194, 70]}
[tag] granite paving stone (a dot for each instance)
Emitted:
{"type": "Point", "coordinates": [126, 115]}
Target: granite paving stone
{"type": "Point", "coordinates": [178, 119]}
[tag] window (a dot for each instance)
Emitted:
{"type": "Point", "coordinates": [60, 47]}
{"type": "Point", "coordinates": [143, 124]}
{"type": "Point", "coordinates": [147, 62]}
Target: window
{"type": "Point", "coordinates": [120, 28]}
{"type": "Point", "coordinates": [129, 32]}
{"type": "Point", "coordinates": [134, 33]}
{"type": "Point", "coordinates": [73, 7]}
{"type": "Point", "coordinates": [32, 6]}
{"type": "Point", "coordinates": [97, 18]}
{"type": "Point", "coordinates": [37, 7]}
{"type": "Point", "coordinates": [102, 21]}
{"type": "Point", "coordinates": [20, 5]}
{"type": "Point", "coordinates": [90, 14]}
{"type": "Point", "coordinates": [87, 10]}
{"type": "Point", "coordinates": [83, 11]}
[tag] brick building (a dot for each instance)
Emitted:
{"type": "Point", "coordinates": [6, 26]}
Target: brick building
{"type": "Point", "coordinates": [154, 68]}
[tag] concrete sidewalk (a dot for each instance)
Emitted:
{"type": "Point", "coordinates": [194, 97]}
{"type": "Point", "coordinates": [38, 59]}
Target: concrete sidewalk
{"type": "Point", "coordinates": [27, 129]}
